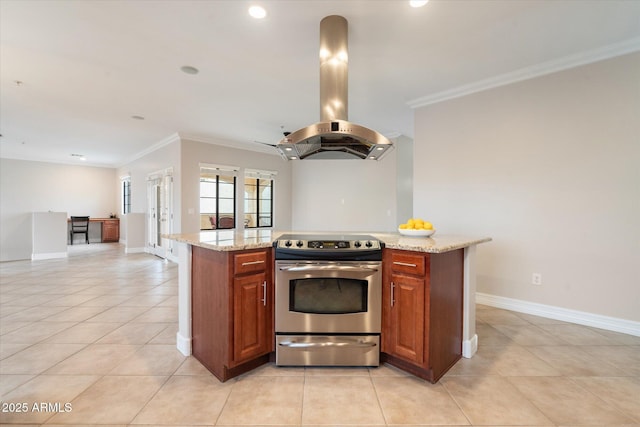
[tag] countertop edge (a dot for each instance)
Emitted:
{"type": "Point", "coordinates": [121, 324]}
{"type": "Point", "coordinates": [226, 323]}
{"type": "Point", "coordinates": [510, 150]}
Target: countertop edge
{"type": "Point", "coordinates": [416, 247]}
{"type": "Point", "coordinates": [238, 240]}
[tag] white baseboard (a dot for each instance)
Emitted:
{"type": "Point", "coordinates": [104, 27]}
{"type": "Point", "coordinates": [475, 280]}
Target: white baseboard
{"type": "Point", "coordinates": [558, 313]}
{"type": "Point", "coordinates": [134, 250]}
{"type": "Point", "coordinates": [183, 344]}
{"type": "Point", "coordinates": [469, 347]}
{"type": "Point", "coordinates": [51, 255]}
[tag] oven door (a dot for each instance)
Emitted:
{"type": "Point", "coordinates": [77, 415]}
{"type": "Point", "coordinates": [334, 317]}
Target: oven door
{"type": "Point", "coordinates": [325, 297]}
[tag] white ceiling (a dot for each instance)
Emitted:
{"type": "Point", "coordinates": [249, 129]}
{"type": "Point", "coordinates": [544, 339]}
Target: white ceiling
{"type": "Point", "coordinates": [87, 67]}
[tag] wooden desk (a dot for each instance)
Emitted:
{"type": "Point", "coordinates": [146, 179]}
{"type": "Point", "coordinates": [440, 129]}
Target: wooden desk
{"type": "Point", "coordinates": [109, 228]}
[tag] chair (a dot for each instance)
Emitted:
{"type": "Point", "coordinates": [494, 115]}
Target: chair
{"type": "Point", "coordinates": [80, 225]}
{"type": "Point", "coordinates": [226, 222]}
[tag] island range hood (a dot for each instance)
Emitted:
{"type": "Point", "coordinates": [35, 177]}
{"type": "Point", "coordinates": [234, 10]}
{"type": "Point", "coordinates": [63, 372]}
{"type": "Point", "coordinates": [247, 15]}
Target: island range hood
{"type": "Point", "coordinates": [334, 137]}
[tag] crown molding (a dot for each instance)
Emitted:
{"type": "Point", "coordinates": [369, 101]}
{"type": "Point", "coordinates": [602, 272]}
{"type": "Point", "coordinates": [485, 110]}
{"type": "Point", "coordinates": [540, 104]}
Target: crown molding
{"type": "Point", "coordinates": [165, 141]}
{"type": "Point", "coordinates": [571, 61]}
{"type": "Point", "coordinates": [238, 145]}
{"type": "Point", "coordinates": [58, 161]}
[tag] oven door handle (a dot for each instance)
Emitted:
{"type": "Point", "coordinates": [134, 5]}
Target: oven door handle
{"type": "Point", "coordinates": [353, 268]}
{"type": "Point", "coordinates": [294, 344]}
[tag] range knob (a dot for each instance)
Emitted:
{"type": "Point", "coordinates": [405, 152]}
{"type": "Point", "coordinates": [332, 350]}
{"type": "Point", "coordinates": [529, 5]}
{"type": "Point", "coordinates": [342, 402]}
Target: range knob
{"type": "Point", "coordinates": [357, 244]}
{"type": "Point", "coordinates": [368, 244]}
{"type": "Point", "coordinates": [287, 243]}
{"type": "Point", "coordinates": [299, 243]}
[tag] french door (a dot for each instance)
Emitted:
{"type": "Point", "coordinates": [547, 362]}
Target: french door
{"type": "Point", "coordinates": [160, 213]}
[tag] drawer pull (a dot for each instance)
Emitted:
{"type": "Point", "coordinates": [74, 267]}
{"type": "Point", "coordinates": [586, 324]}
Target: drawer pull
{"type": "Point", "coordinates": [244, 264]}
{"type": "Point", "coordinates": [303, 345]}
{"type": "Point", "coordinates": [404, 264]}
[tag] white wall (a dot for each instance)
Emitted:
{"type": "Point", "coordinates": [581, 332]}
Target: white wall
{"type": "Point", "coordinates": [50, 235]}
{"type": "Point", "coordinates": [550, 168]}
{"type": "Point", "coordinates": [345, 195]}
{"type": "Point", "coordinates": [26, 187]}
{"type": "Point", "coordinates": [133, 225]}
{"type": "Point", "coordinates": [194, 153]}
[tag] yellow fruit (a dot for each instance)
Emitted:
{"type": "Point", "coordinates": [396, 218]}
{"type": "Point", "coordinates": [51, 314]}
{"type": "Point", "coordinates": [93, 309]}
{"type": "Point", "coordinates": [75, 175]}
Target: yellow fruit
{"type": "Point", "coordinates": [416, 224]}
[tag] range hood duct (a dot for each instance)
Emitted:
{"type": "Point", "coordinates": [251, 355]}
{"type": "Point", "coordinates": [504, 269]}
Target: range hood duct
{"type": "Point", "coordinates": [334, 137]}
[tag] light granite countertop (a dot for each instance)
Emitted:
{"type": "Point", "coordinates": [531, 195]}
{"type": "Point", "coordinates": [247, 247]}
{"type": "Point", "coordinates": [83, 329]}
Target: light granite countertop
{"type": "Point", "coordinates": [235, 240]}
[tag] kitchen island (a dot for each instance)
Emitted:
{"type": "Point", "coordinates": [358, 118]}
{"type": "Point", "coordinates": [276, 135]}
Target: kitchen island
{"type": "Point", "coordinates": [198, 251]}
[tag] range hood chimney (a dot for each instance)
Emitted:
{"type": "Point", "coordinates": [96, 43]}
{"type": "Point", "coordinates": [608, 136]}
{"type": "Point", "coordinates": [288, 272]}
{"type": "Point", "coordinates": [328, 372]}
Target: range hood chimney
{"type": "Point", "coordinates": [334, 137]}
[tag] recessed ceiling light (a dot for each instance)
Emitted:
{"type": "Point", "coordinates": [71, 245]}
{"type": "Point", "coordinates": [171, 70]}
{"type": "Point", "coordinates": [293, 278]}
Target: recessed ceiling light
{"type": "Point", "coordinates": [418, 3]}
{"type": "Point", "coordinates": [189, 69]}
{"type": "Point", "coordinates": [257, 12]}
{"type": "Point", "coordinates": [137, 117]}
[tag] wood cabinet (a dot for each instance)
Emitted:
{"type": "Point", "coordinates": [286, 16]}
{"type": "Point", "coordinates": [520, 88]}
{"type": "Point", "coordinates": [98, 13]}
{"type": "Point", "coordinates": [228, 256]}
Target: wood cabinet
{"type": "Point", "coordinates": [250, 317]}
{"type": "Point", "coordinates": [422, 311]}
{"type": "Point", "coordinates": [110, 230]}
{"type": "Point", "coordinates": [232, 309]}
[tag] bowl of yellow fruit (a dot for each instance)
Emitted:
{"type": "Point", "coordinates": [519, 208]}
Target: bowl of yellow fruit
{"type": "Point", "coordinates": [416, 227]}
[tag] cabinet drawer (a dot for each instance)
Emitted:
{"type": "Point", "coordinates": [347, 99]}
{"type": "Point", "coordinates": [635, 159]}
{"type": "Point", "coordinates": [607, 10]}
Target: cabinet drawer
{"type": "Point", "coordinates": [111, 230]}
{"type": "Point", "coordinates": [403, 262]}
{"type": "Point", "coordinates": [250, 261]}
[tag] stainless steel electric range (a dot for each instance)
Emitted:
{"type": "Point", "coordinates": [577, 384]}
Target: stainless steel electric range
{"type": "Point", "coordinates": [328, 300]}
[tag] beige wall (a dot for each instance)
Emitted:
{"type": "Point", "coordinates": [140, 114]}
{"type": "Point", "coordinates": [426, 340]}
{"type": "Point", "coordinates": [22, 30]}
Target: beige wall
{"type": "Point", "coordinates": [550, 168]}
{"type": "Point", "coordinates": [194, 153]}
{"type": "Point", "coordinates": [27, 187]}
{"type": "Point", "coordinates": [345, 195]}
{"type": "Point", "coordinates": [165, 157]}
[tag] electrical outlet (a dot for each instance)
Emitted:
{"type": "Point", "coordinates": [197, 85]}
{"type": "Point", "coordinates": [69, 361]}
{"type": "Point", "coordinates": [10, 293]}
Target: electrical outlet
{"type": "Point", "coordinates": [536, 279]}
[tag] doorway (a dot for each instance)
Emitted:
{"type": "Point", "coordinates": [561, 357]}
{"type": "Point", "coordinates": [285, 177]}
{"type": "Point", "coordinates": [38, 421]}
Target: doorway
{"type": "Point", "coordinates": [160, 213]}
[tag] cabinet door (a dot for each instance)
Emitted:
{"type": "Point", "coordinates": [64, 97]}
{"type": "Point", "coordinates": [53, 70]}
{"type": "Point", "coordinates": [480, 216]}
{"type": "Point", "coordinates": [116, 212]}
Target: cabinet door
{"type": "Point", "coordinates": [110, 231]}
{"type": "Point", "coordinates": [250, 327]}
{"type": "Point", "coordinates": [407, 318]}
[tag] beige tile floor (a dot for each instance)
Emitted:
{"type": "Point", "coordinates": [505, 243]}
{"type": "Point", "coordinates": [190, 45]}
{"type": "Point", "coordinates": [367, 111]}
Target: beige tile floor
{"type": "Point", "coordinates": [96, 332]}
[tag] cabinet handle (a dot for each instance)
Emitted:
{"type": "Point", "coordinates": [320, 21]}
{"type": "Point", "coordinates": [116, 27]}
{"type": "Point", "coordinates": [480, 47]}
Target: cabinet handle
{"type": "Point", "coordinates": [264, 293]}
{"type": "Point", "coordinates": [253, 262]}
{"type": "Point", "coordinates": [392, 294]}
{"type": "Point", "coordinates": [404, 264]}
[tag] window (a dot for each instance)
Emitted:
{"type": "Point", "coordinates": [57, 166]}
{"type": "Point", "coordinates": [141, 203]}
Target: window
{"type": "Point", "coordinates": [217, 197]}
{"type": "Point", "coordinates": [258, 199]}
{"type": "Point", "coordinates": [126, 195]}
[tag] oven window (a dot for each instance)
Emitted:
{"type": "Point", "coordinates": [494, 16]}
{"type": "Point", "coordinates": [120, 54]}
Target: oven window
{"type": "Point", "coordinates": [328, 295]}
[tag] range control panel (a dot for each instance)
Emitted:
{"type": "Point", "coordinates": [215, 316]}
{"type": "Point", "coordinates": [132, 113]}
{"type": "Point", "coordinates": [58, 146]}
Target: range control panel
{"type": "Point", "coordinates": [325, 243]}
{"type": "Point", "coordinates": [329, 244]}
